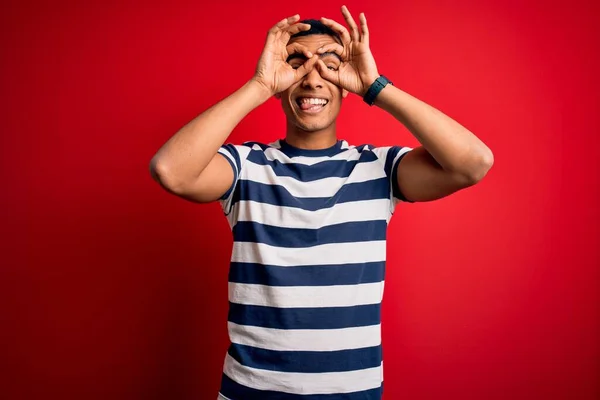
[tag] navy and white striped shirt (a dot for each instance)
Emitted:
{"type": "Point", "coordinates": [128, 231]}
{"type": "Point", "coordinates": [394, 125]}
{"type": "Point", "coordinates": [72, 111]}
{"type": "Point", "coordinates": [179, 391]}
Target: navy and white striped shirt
{"type": "Point", "coordinates": [307, 269]}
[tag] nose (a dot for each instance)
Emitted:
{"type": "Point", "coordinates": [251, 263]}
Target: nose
{"type": "Point", "coordinates": [312, 80]}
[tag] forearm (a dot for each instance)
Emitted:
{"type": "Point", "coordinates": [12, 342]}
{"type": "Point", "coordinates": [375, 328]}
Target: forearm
{"type": "Point", "coordinates": [185, 155]}
{"type": "Point", "coordinates": [454, 147]}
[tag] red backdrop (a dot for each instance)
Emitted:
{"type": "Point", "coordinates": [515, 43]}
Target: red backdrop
{"type": "Point", "coordinates": [110, 288]}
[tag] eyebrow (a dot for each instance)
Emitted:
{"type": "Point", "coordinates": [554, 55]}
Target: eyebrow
{"type": "Point", "coordinates": [303, 57]}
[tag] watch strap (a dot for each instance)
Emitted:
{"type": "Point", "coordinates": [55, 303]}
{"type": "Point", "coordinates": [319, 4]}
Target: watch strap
{"type": "Point", "coordinates": [375, 89]}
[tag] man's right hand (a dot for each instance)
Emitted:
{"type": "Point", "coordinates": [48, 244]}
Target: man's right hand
{"type": "Point", "coordinates": [273, 70]}
{"type": "Point", "coordinates": [188, 164]}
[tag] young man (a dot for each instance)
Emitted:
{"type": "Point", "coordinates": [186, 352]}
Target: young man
{"type": "Point", "coordinates": [309, 212]}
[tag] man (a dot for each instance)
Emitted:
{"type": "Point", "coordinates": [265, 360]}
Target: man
{"type": "Point", "coordinates": [309, 212]}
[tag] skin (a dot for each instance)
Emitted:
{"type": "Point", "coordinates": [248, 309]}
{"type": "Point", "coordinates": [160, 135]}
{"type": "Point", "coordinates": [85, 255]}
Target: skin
{"type": "Point", "coordinates": [449, 159]}
{"type": "Point", "coordinates": [310, 130]}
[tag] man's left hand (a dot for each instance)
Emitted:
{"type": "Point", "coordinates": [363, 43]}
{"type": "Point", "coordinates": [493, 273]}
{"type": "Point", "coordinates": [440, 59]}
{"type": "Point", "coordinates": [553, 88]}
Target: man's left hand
{"type": "Point", "coordinates": [358, 70]}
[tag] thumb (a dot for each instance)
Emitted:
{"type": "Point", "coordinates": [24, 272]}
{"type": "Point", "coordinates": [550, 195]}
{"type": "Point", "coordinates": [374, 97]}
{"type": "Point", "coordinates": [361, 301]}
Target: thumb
{"type": "Point", "coordinates": [305, 68]}
{"type": "Point", "coordinates": [326, 73]}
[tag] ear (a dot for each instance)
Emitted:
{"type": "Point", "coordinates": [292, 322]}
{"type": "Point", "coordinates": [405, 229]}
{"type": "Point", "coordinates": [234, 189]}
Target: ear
{"type": "Point", "coordinates": [344, 93]}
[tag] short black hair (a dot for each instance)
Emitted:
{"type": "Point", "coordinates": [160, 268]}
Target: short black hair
{"type": "Point", "coordinates": [318, 28]}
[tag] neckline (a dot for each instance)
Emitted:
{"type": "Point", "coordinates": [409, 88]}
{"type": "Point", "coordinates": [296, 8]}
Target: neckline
{"type": "Point", "coordinates": [290, 150]}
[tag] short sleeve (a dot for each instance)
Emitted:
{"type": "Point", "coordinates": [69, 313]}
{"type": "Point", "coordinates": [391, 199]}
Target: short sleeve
{"type": "Point", "coordinates": [391, 157]}
{"type": "Point", "coordinates": [394, 156]}
{"type": "Point", "coordinates": [236, 155]}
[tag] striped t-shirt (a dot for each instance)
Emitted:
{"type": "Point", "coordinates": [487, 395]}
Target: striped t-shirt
{"type": "Point", "coordinates": [307, 269]}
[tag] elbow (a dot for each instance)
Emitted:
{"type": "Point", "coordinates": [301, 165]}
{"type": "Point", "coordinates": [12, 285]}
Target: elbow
{"type": "Point", "coordinates": [155, 172]}
{"type": "Point", "coordinates": [157, 169]}
{"type": "Point", "coordinates": [481, 166]}
{"type": "Point", "coordinates": [161, 173]}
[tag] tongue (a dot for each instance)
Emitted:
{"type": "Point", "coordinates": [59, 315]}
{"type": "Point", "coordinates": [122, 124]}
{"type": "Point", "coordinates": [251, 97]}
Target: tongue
{"type": "Point", "coordinates": [310, 107]}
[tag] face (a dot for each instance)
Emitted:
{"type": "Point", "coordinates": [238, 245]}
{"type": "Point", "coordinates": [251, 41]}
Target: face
{"type": "Point", "coordinates": [313, 103]}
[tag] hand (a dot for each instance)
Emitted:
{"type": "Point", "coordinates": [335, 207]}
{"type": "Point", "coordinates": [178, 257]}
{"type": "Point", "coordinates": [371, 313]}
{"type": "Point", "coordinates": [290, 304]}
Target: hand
{"type": "Point", "coordinates": [273, 70]}
{"type": "Point", "coordinates": [358, 70]}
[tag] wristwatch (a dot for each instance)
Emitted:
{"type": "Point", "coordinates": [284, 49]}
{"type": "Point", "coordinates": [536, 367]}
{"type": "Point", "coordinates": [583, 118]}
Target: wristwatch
{"type": "Point", "coordinates": [375, 88]}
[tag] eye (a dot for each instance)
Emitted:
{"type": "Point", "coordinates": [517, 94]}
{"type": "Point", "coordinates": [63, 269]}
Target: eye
{"type": "Point", "coordinates": [295, 64]}
{"type": "Point", "coordinates": [331, 61]}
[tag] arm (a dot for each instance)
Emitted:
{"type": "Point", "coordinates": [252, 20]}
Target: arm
{"type": "Point", "coordinates": [189, 164]}
{"type": "Point", "coordinates": [450, 158]}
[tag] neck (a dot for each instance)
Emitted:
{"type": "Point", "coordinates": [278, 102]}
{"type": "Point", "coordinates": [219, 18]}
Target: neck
{"type": "Point", "coordinates": [315, 140]}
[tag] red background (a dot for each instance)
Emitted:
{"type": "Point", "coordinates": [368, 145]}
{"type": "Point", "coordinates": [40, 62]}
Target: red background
{"type": "Point", "coordinates": [111, 288]}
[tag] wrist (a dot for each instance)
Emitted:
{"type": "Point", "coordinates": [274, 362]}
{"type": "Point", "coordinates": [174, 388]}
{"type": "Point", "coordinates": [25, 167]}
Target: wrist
{"type": "Point", "coordinates": [367, 83]}
{"type": "Point", "coordinates": [373, 91]}
{"type": "Point", "coordinates": [259, 89]}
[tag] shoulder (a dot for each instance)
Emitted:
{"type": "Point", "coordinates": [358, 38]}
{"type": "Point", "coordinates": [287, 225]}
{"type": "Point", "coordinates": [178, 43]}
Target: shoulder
{"type": "Point", "coordinates": [387, 157]}
{"type": "Point", "coordinates": [253, 145]}
{"type": "Point", "coordinates": [260, 147]}
{"type": "Point", "coordinates": [388, 153]}
{"type": "Point", "coordinates": [243, 150]}
{"type": "Point", "coordinates": [377, 152]}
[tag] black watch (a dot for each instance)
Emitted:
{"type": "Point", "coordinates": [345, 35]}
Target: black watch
{"type": "Point", "coordinates": [375, 88]}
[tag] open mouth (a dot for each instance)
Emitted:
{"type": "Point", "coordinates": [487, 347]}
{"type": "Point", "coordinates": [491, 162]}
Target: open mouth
{"type": "Point", "coordinates": [311, 104]}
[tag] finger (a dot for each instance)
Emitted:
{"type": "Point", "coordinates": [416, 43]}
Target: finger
{"type": "Point", "coordinates": [332, 48]}
{"type": "Point", "coordinates": [326, 73]}
{"type": "Point", "coordinates": [297, 27]}
{"type": "Point", "coordinates": [354, 33]}
{"type": "Point", "coordinates": [306, 67]}
{"type": "Point", "coordinates": [340, 29]}
{"type": "Point", "coordinates": [283, 24]}
{"type": "Point", "coordinates": [285, 28]}
{"type": "Point", "coordinates": [297, 48]}
{"type": "Point", "coordinates": [365, 29]}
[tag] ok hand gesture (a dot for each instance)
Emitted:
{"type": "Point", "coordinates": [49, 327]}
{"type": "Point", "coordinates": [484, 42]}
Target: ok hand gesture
{"type": "Point", "coordinates": [273, 71]}
{"type": "Point", "coordinates": [358, 69]}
